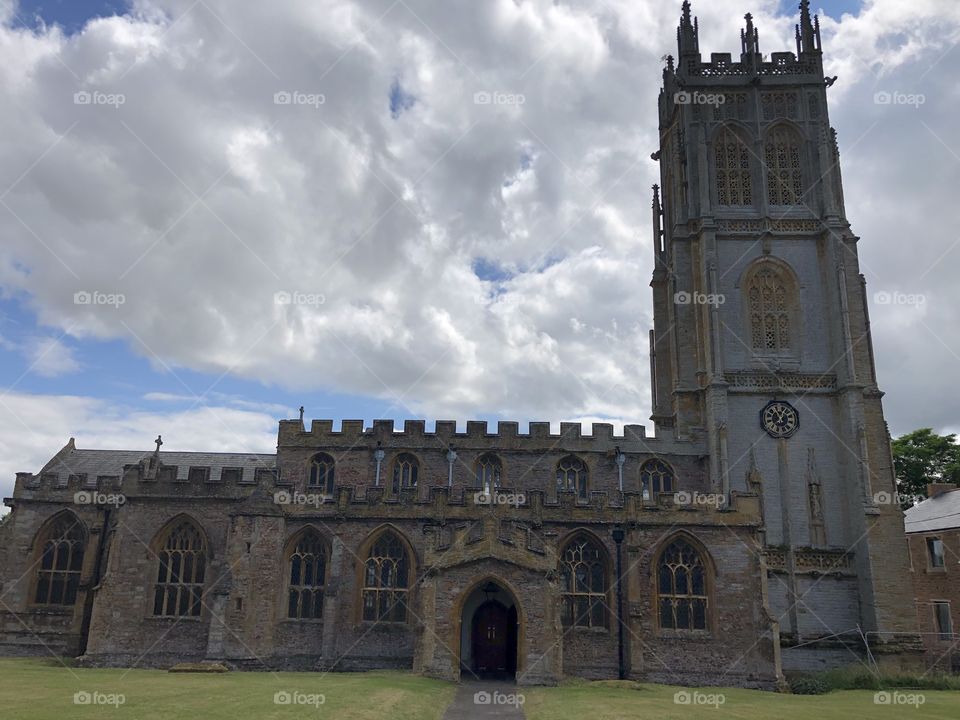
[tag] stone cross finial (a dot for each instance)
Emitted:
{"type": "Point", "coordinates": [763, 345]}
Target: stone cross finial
{"type": "Point", "coordinates": [301, 414]}
{"type": "Point", "coordinates": [159, 442]}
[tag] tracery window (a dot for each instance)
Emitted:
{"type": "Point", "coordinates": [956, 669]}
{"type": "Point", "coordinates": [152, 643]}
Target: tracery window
{"type": "Point", "coordinates": [61, 562]}
{"type": "Point", "coordinates": [321, 473]}
{"type": "Point", "coordinates": [386, 580]}
{"type": "Point", "coordinates": [768, 302]}
{"type": "Point", "coordinates": [583, 584]}
{"type": "Point", "coordinates": [655, 477]}
{"type": "Point", "coordinates": [489, 471]}
{"type": "Point", "coordinates": [405, 470]}
{"type": "Point", "coordinates": [682, 588]}
{"type": "Point", "coordinates": [308, 573]}
{"type": "Point", "coordinates": [732, 166]}
{"type": "Point", "coordinates": [572, 475]}
{"type": "Point", "coordinates": [781, 154]}
{"type": "Point", "coordinates": [180, 573]}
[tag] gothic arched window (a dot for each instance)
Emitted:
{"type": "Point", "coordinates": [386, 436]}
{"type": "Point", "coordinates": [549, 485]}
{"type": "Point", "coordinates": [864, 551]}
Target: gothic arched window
{"type": "Point", "coordinates": [732, 166]}
{"type": "Point", "coordinates": [655, 477]}
{"type": "Point", "coordinates": [321, 473]}
{"type": "Point", "coordinates": [769, 305]}
{"type": "Point", "coordinates": [682, 598]}
{"type": "Point", "coordinates": [572, 476]}
{"type": "Point", "coordinates": [405, 470]}
{"type": "Point", "coordinates": [583, 583]}
{"type": "Point", "coordinates": [386, 580]}
{"type": "Point", "coordinates": [180, 573]}
{"type": "Point", "coordinates": [61, 546]}
{"type": "Point", "coordinates": [489, 471]}
{"type": "Point", "coordinates": [308, 575]}
{"type": "Point", "coordinates": [781, 155]}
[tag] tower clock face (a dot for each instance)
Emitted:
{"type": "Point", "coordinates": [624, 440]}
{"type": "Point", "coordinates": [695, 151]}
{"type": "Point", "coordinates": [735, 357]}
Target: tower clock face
{"type": "Point", "coordinates": [780, 419]}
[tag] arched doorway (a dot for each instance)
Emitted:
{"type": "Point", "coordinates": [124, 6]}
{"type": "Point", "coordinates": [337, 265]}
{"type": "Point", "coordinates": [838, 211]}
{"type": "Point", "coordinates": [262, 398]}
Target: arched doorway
{"type": "Point", "coordinates": [489, 633]}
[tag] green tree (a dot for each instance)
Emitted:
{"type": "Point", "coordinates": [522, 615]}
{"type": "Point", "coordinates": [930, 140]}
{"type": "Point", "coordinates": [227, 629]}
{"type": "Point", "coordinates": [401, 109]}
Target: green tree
{"type": "Point", "coordinates": [922, 457]}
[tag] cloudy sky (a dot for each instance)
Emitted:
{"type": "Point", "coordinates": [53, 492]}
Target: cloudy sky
{"type": "Point", "coordinates": [212, 212]}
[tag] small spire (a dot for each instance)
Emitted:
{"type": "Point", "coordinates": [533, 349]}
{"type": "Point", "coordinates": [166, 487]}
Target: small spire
{"type": "Point", "coordinates": [808, 31]}
{"type": "Point", "coordinates": [749, 38]}
{"type": "Point", "coordinates": [687, 34]}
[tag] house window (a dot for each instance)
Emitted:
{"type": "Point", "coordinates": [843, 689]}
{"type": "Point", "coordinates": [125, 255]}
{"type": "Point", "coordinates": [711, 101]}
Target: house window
{"type": "Point", "coordinates": [180, 573]}
{"type": "Point", "coordinates": [572, 476]}
{"type": "Point", "coordinates": [941, 613]}
{"type": "Point", "coordinates": [732, 167]}
{"type": "Point", "coordinates": [769, 301]}
{"type": "Point", "coordinates": [583, 584]}
{"type": "Point", "coordinates": [61, 562]}
{"type": "Point", "coordinates": [405, 470]}
{"type": "Point", "coordinates": [935, 552]}
{"type": "Point", "coordinates": [385, 580]}
{"type": "Point", "coordinates": [321, 473]}
{"type": "Point", "coordinates": [655, 477]}
{"type": "Point", "coordinates": [781, 154]}
{"type": "Point", "coordinates": [308, 572]}
{"type": "Point", "coordinates": [231, 474]}
{"type": "Point", "coordinates": [489, 470]}
{"type": "Point", "coordinates": [682, 588]}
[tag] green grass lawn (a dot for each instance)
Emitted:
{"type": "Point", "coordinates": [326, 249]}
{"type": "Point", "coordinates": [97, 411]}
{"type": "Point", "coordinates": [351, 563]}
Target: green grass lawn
{"type": "Point", "coordinates": [618, 700]}
{"type": "Point", "coordinates": [44, 690]}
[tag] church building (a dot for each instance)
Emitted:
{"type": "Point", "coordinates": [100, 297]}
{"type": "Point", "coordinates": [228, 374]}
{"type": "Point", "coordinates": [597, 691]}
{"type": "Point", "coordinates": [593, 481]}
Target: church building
{"type": "Point", "coordinates": [747, 536]}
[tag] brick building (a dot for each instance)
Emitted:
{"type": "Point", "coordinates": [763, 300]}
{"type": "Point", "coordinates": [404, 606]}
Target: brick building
{"type": "Point", "coordinates": [745, 532]}
{"type": "Point", "coordinates": [933, 536]}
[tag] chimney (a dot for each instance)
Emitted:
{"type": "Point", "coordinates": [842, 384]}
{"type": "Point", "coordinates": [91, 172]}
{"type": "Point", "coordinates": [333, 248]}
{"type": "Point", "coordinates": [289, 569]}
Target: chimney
{"type": "Point", "coordinates": [934, 489]}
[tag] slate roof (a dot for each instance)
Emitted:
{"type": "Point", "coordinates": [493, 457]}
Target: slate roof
{"type": "Point", "coordinates": [72, 461]}
{"type": "Point", "coordinates": [941, 512]}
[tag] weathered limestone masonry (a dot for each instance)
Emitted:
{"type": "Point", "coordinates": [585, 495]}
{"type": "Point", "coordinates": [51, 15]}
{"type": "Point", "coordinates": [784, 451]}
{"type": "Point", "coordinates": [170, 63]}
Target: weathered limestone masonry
{"type": "Point", "coordinates": [748, 527]}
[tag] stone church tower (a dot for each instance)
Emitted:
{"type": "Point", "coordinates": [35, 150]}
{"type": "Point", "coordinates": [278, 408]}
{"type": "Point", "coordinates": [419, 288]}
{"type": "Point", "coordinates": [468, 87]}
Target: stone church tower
{"type": "Point", "coordinates": [761, 344]}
